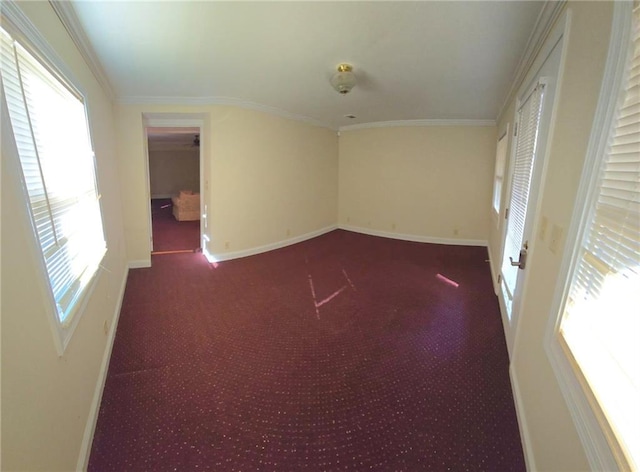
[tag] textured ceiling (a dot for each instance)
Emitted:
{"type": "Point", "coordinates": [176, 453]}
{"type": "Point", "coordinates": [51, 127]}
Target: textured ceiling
{"type": "Point", "coordinates": [413, 60]}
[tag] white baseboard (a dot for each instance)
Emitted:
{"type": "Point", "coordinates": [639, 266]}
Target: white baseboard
{"type": "Point", "coordinates": [140, 264]}
{"type": "Point", "coordinates": [415, 238]}
{"type": "Point", "coordinates": [527, 448]}
{"type": "Point", "coordinates": [287, 242]}
{"type": "Point", "coordinates": [226, 256]}
{"type": "Point", "coordinates": [89, 430]}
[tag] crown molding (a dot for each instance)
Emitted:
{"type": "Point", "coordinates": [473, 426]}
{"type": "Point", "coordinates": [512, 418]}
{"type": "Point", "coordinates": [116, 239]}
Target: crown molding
{"type": "Point", "coordinates": [550, 12]}
{"type": "Point", "coordinates": [21, 28]}
{"type": "Point", "coordinates": [69, 20]}
{"type": "Point", "coordinates": [417, 123]}
{"type": "Point", "coordinates": [229, 101]}
{"type": "Point", "coordinates": [223, 101]}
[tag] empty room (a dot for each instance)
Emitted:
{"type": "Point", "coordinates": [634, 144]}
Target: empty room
{"type": "Point", "coordinates": [309, 235]}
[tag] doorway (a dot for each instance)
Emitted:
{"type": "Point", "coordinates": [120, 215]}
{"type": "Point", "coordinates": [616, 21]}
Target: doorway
{"type": "Point", "coordinates": [533, 125]}
{"type": "Point", "coordinates": [174, 166]}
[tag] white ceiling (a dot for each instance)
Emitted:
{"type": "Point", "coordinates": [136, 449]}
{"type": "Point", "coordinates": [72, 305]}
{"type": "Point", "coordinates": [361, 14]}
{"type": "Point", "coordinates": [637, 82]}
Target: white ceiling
{"type": "Point", "coordinates": [413, 60]}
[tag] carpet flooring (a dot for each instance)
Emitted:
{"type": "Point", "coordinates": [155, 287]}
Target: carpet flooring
{"type": "Point", "coordinates": [170, 234]}
{"type": "Point", "coordinates": [345, 352]}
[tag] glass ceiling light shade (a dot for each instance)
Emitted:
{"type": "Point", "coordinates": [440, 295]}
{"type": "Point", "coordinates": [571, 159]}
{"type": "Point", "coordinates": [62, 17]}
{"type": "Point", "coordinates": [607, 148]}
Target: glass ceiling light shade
{"type": "Point", "coordinates": [343, 80]}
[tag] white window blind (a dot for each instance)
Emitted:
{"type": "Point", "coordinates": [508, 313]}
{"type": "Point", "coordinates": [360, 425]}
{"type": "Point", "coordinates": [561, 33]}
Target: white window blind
{"type": "Point", "coordinates": [51, 134]}
{"type": "Point", "coordinates": [501, 157]}
{"type": "Point", "coordinates": [601, 319]}
{"type": "Point", "coordinates": [526, 140]}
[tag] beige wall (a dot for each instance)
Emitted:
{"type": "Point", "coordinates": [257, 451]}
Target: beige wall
{"type": "Point", "coordinates": [173, 170]}
{"type": "Point", "coordinates": [45, 398]}
{"type": "Point", "coordinates": [267, 179]}
{"type": "Point", "coordinates": [431, 182]}
{"type": "Point", "coordinates": [553, 437]}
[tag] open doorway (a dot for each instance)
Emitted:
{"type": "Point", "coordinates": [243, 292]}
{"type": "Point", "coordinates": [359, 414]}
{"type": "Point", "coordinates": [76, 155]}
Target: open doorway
{"type": "Point", "coordinates": [174, 188]}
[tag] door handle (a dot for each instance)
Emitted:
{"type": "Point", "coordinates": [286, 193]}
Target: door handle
{"type": "Point", "coordinates": [522, 260]}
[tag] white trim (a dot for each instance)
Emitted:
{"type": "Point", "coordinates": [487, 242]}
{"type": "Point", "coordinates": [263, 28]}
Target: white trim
{"type": "Point", "coordinates": [592, 436]}
{"type": "Point", "coordinates": [24, 30]}
{"type": "Point", "coordinates": [66, 331]}
{"type": "Point", "coordinates": [174, 121]}
{"type": "Point", "coordinates": [222, 101]}
{"type": "Point", "coordinates": [69, 19]}
{"type": "Point", "coordinates": [417, 123]}
{"type": "Point", "coordinates": [494, 274]}
{"type": "Point", "coordinates": [14, 168]}
{"type": "Point", "coordinates": [147, 188]}
{"type": "Point", "coordinates": [227, 101]}
{"type": "Point", "coordinates": [226, 256]}
{"type": "Point", "coordinates": [313, 234]}
{"type": "Point", "coordinates": [557, 38]}
{"type": "Point", "coordinates": [523, 426]}
{"type": "Point", "coordinates": [139, 264]}
{"type": "Point", "coordinates": [62, 331]}
{"type": "Point", "coordinates": [90, 427]}
{"type": "Point", "coordinates": [503, 135]}
{"type": "Point", "coordinates": [549, 13]}
{"type": "Point", "coordinates": [414, 237]}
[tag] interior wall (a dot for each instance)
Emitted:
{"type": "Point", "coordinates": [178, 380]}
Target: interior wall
{"type": "Point", "coordinates": [172, 170]}
{"type": "Point", "coordinates": [552, 436]}
{"type": "Point", "coordinates": [46, 399]}
{"type": "Point", "coordinates": [433, 182]}
{"type": "Point", "coordinates": [267, 179]}
{"type": "Point", "coordinates": [270, 179]}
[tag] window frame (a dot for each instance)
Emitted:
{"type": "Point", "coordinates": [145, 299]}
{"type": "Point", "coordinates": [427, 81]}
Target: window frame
{"type": "Point", "coordinates": [597, 438]}
{"type": "Point", "coordinates": [27, 35]}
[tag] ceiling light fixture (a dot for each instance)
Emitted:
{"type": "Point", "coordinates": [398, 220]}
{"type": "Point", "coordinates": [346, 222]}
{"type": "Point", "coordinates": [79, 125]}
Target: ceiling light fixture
{"type": "Point", "coordinates": [343, 80]}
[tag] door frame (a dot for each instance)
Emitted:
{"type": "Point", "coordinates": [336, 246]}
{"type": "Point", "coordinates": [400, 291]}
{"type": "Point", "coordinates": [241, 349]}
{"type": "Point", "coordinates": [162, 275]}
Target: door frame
{"type": "Point", "coordinates": [557, 39]}
{"type": "Point", "coordinates": [177, 120]}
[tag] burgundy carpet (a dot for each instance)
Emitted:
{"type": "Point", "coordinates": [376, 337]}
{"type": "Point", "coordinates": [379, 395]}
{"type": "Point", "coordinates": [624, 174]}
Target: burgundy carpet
{"type": "Point", "coordinates": [170, 234]}
{"type": "Point", "coordinates": [346, 352]}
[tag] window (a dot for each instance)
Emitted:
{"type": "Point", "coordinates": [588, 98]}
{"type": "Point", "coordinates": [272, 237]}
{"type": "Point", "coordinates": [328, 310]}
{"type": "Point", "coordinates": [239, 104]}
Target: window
{"type": "Point", "coordinates": [501, 158]}
{"type": "Point", "coordinates": [599, 325]}
{"type": "Point", "coordinates": [52, 138]}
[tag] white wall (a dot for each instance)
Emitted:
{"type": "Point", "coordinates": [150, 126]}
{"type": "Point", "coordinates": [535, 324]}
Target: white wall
{"type": "Point", "coordinates": [46, 399]}
{"type": "Point", "coordinates": [267, 179]}
{"type": "Point", "coordinates": [431, 182]}
{"type": "Point", "coordinates": [552, 436]}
